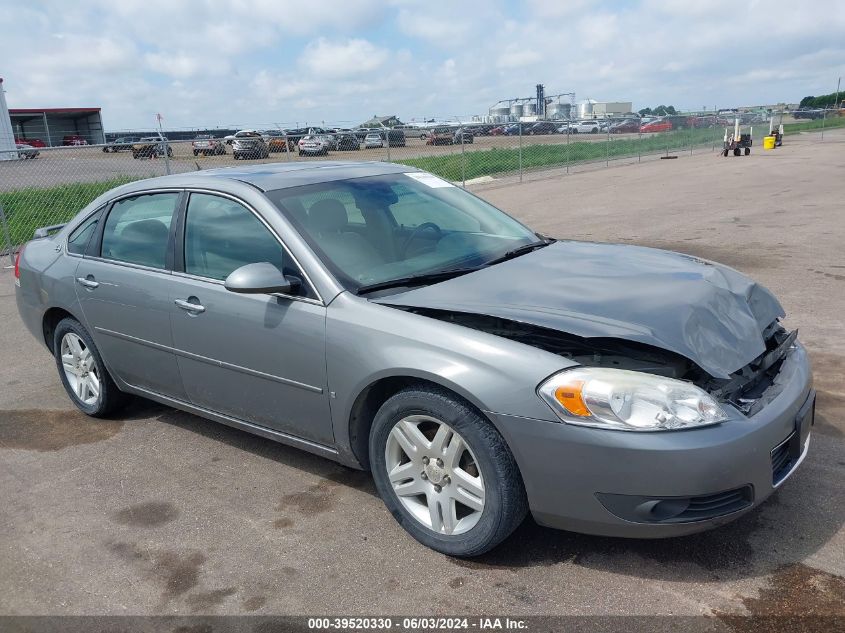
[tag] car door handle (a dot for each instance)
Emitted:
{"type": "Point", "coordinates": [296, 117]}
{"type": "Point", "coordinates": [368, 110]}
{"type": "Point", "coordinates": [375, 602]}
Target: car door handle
{"type": "Point", "coordinates": [88, 283]}
{"type": "Point", "coordinates": [190, 307]}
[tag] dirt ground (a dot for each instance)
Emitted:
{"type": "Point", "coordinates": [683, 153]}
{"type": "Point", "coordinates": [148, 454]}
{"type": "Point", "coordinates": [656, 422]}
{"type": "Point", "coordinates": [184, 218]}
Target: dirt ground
{"type": "Point", "coordinates": [163, 512]}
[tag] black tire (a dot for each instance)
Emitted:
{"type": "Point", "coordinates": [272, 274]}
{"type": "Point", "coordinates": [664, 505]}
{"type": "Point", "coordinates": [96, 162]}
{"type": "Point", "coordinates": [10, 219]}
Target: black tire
{"type": "Point", "coordinates": [747, 151]}
{"type": "Point", "coordinates": [505, 503]}
{"type": "Point", "coordinates": [111, 398]}
{"type": "Point", "coordinates": [724, 152]}
{"type": "Point", "coordinates": [737, 152]}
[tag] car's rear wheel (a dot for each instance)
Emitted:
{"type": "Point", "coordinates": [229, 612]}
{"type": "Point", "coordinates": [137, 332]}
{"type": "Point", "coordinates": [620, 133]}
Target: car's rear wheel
{"type": "Point", "coordinates": [82, 371]}
{"type": "Point", "coordinates": [445, 473]}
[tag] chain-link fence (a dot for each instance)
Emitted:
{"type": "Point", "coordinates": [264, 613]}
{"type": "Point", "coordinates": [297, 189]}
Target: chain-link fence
{"type": "Point", "coordinates": [44, 186]}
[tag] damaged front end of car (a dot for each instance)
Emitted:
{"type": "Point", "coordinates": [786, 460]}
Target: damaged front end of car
{"type": "Point", "coordinates": [748, 389]}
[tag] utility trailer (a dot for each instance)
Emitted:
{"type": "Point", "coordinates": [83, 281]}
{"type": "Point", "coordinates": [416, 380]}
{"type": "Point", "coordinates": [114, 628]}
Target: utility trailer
{"type": "Point", "coordinates": [739, 143]}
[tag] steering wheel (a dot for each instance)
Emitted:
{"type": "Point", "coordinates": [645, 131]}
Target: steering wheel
{"type": "Point", "coordinates": [417, 230]}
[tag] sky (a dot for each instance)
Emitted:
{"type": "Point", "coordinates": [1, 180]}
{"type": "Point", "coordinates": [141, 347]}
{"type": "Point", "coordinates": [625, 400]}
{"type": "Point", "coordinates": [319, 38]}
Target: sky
{"type": "Point", "coordinates": [285, 63]}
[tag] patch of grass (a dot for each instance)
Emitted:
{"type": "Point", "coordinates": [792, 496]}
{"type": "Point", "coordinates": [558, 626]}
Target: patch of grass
{"type": "Point", "coordinates": [502, 160]}
{"type": "Point", "coordinates": [816, 124]}
{"type": "Point", "coordinates": [30, 208]}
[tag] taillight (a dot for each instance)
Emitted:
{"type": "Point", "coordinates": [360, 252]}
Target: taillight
{"type": "Point", "coordinates": [18, 267]}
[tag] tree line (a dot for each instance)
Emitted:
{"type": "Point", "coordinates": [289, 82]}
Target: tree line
{"type": "Point", "coordinates": [824, 101]}
{"type": "Point", "coordinates": [660, 110]}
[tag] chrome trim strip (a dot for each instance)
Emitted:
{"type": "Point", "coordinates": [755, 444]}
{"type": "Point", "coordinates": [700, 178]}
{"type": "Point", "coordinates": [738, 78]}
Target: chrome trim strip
{"type": "Point", "coordinates": [271, 294]}
{"type": "Point", "coordinates": [210, 361]}
{"type": "Point", "coordinates": [117, 262]}
{"type": "Point", "coordinates": [257, 429]}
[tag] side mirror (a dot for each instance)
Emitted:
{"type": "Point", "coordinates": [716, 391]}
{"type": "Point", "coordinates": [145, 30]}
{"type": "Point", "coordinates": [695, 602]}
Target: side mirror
{"type": "Point", "coordinates": [260, 278]}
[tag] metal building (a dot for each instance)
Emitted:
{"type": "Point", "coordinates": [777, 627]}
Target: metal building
{"type": "Point", "coordinates": [602, 109]}
{"type": "Point", "coordinates": [7, 139]}
{"type": "Point", "coordinates": [58, 126]}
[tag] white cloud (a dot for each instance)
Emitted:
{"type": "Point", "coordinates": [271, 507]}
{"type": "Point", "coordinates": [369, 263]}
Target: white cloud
{"type": "Point", "coordinates": [343, 58]}
{"type": "Point", "coordinates": [515, 56]}
{"type": "Point", "coordinates": [175, 65]}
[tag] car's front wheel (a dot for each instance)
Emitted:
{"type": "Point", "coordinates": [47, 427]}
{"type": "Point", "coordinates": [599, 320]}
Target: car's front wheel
{"type": "Point", "coordinates": [445, 473]}
{"type": "Point", "coordinates": [82, 371]}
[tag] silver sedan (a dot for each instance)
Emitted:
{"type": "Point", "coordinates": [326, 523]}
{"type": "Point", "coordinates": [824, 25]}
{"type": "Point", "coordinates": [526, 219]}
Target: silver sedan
{"type": "Point", "coordinates": [384, 318]}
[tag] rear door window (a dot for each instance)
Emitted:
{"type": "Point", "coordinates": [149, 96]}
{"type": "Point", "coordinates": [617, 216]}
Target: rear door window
{"type": "Point", "coordinates": [138, 228]}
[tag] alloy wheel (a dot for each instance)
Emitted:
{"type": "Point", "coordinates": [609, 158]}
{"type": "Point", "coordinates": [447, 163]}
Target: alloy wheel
{"type": "Point", "coordinates": [435, 474]}
{"type": "Point", "coordinates": [80, 369]}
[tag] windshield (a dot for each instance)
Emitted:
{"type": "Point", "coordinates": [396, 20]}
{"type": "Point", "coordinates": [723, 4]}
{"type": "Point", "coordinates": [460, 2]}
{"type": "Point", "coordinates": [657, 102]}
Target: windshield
{"type": "Point", "coordinates": [375, 229]}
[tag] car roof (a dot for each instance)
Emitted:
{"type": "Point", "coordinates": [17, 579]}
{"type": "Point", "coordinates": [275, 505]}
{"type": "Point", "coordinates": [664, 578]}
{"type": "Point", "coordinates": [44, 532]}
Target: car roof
{"type": "Point", "coordinates": [273, 176]}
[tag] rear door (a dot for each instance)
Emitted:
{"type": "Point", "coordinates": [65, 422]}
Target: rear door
{"type": "Point", "coordinates": [260, 358]}
{"type": "Point", "coordinates": [123, 286]}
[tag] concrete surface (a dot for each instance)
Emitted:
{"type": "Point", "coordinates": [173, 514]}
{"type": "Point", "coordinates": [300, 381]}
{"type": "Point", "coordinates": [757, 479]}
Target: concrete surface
{"type": "Point", "coordinates": [163, 512]}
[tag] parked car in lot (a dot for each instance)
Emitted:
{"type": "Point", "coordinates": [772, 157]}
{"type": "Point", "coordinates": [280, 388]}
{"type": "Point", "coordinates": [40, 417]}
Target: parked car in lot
{"type": "Point", "coordinates": [26, 151]}
{"type": "Point", "coordinates": [296, 134]}
{"type": "Point", "coordinates": [374, 139]}
{"type": "Point", "coordinates": [314, 145]}
{"type": "Point", "coordinates": [584, 127]}
{"type": "Point", "coordinates": [482, 130]}
{"type": "Point", "coordinates": [276, 140]}
{"type": "Point", "coordinates": [346, 141]}
{"type": "Point", "coordinates": [396, 137]}
{"type": "Point", "coordinates": [74, 139]}
{"type": "Point", "coordinates": [249, 144]}
{"type": "Point", "coordinates": [457, 356]}
{"type": "Point", "coordinates": [463, 135]}
{"type": "Point", "coordinates": [151, 147]}
{"type": "Point", "coordinates": [32, 142]}
{"type": "Point", "coordinates": [625, 127]}
{"type": "Point", "coordinates": [658, 125]}
{"type": "Point", "coordinates": [498, 130]}
{"type": "Point", "coordinates": [541, 127]}
{"type": "Point", "coordinates": [121, 144]}
{"type": "Point", "coordinates": [440, 136]}
{"type": "Point", "coordinates": [207, 145]}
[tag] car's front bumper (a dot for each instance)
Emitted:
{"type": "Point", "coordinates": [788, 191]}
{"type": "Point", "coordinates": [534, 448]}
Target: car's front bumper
{"type": "Point", "coordinates": [574, 474]}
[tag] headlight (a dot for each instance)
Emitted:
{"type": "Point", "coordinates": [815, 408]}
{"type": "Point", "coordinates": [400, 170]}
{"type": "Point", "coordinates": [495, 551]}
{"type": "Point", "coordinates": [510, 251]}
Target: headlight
{"type": "Point", "coordinates": [628, 400]}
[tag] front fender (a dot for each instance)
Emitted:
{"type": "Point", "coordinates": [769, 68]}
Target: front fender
{"type": "Point", "coordinates": [367, 342]}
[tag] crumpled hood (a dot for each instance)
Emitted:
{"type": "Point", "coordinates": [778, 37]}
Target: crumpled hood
{"type": "Point", "coordinates": [704, 311]}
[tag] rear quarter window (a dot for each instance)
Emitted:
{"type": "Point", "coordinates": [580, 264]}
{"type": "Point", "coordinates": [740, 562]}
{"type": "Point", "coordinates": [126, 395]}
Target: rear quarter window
{"type": "Point", "coordinates": [81, 235]}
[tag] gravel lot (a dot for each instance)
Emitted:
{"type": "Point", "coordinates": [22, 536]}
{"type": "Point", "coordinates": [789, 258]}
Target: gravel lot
{"type": "Point", "coordinates": [164, 512]}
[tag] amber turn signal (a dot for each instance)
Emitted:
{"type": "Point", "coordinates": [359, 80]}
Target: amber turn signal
{"type": "Point", "coordinates": [569, 396]}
